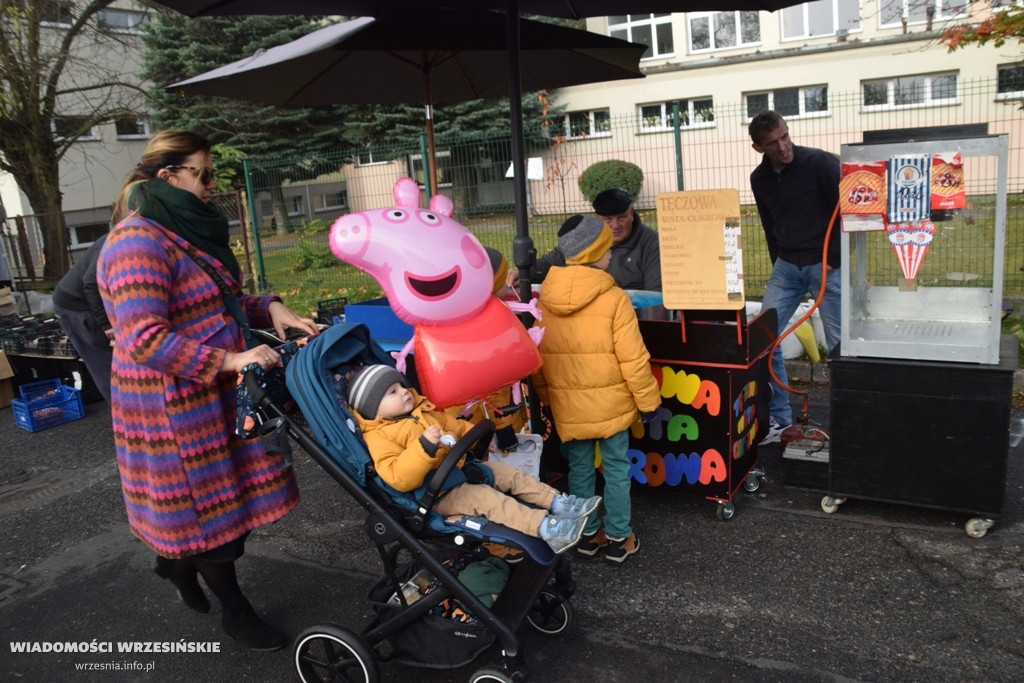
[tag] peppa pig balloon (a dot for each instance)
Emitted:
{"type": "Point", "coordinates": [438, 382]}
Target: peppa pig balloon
{"type": "Point", "coordinates": [433, 271]}
{"type": "Point", "coordinates": [438, 278]}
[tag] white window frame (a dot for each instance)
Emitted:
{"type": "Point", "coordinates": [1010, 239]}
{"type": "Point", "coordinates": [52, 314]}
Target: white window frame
{"type": "Point", "coordinates": [1002, 5]}
{"type": "Point", "coordinates": [710, 16]}
{"type": "Point", "coordinates": [624, 30]}
{"type": "Point", "coordinates": [142, 122]}
{"type": "Point", "coordinates": [1009, 94]}
{"type": "Point", "coordinates": [439, 154]}
{"type": "Point", "coordinates": [294, 205]}
{"type": "Point", "coordinates": [942, 12]}
{"type": "Point", "coordinates": [319, 205]}
{"type": "Point", "coordinates": [133, 29]}
{"type": "Point", "coordinates": [66, 8]}
{"type": "Point", "coordinates": [805, 11]}
{"type": "Point", "coordinates": [372, 161]}
{"type": "Point", "coordinates": [688, 116]}
{"type": "Point", "coordinates": [87, 136]}
{"type": "Point", "coordinates": [928, 101]}
{"type": "Point", "coordinates": [802, 92]}
{"type": "Point", "coordinates": [592, 116]}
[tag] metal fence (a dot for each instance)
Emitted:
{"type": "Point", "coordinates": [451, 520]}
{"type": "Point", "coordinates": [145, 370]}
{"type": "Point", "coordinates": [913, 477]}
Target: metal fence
{"type": "Point", "coordinates": [708, 154]}
{"type": "Point", "coordinates": [294, 200]}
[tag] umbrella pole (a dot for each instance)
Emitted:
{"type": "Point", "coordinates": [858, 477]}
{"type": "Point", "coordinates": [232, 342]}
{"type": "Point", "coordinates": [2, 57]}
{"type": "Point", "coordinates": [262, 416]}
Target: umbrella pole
{"type": "Point", "coordinates": [432, 151]}
{"type": "Point", "coordinates": [523, 252]}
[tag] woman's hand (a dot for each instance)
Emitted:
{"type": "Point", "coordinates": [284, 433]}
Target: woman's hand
{"type": "Point", "coordinates": [283, 317]}
{"type": "Point", "coordinates": [263, 355]}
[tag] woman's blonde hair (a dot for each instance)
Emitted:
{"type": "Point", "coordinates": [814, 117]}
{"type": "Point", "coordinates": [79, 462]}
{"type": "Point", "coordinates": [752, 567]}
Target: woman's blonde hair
{"type": "Point", "coordinates": [166, 148]}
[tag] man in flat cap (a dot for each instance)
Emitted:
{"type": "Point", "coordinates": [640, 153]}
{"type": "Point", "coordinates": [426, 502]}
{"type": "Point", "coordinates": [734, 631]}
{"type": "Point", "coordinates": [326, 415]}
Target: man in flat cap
{"type": "Point", "coordinates": [636, 255]}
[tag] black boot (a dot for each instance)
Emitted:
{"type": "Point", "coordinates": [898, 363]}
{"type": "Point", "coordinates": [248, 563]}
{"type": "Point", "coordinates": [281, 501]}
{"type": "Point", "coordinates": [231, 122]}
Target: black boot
{"type": "Point", "coordinates": [182, 575]}
{"type": "Point", "coordinates": [242, 623]}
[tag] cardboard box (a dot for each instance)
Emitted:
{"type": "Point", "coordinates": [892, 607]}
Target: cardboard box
{"type": "Point", "coordinates": [6, 385]}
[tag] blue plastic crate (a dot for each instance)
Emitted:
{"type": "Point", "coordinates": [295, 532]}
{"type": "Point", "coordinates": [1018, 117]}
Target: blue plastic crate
{"type": "Point", "coordinates": [46, 404]}
{"type": "Point", "coordinates": [383, 323]}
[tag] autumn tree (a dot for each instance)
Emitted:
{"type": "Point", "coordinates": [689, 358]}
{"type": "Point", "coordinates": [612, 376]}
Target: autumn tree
{"type": "Point", "coordinates": [1001, 26]}
{"type": "Point", "coordinates": [61, 74]}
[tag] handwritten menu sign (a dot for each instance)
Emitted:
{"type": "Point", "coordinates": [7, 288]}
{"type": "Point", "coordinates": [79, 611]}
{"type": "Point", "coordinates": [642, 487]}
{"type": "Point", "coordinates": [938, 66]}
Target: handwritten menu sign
{"type": "Point", "coordinates": [701, 251]}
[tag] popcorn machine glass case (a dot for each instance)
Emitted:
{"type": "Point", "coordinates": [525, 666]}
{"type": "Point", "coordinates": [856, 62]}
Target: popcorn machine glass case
{"type": "Point", "coordinates": [923, 231]}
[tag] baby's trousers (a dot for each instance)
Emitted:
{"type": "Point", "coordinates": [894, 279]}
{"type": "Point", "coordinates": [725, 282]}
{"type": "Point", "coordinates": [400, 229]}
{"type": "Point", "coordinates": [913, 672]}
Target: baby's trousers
{"type": "Point", "coordinates": [505, 502]}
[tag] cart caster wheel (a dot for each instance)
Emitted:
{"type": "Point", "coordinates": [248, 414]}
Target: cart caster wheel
{"type": "Point", "coordinates": [978, 526]}
{"type": "Point", "coordinates": [331, 653]}
{"type": "Point", "coordinates": [830, 504]}
{"type": "Point", "coordinates": [550, 618]}
{"type": "Point", "coordinates": [751, 483]}
{"type": "Point", "coordinates": [491, 675]}
{"type": "Point", "coordinates": [726, 511]}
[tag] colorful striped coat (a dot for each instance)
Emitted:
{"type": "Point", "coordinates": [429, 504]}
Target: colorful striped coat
{"type": "Point", "coordinates": [189, 483]}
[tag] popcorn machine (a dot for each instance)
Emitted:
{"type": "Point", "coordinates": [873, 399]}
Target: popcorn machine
{"type": "Point", "coordinates": [922, 379]}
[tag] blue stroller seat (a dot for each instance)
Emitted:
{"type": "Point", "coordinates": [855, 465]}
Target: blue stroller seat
{"type": "Point", "coordinates": [539, 585]}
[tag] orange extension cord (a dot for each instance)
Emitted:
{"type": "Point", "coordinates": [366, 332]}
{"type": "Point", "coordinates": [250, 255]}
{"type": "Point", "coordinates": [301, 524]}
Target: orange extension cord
{"type": "Point", "coordinates": [821, 293]}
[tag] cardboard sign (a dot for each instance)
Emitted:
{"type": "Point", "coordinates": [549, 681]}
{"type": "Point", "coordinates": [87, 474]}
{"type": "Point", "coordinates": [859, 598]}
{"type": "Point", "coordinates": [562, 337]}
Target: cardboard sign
{"type": "Point", "coordinates": [701, 250]}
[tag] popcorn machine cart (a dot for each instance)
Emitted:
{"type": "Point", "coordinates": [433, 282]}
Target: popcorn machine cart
{"type": "Point", "coordinates": [921, 385]}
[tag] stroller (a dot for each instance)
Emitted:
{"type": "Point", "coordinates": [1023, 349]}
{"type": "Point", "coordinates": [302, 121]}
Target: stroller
{"type": "Point", "coordinates": [420, 551]}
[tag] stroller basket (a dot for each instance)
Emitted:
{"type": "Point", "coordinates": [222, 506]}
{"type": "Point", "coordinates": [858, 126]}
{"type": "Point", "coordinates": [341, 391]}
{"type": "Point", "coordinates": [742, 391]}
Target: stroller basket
{"type": "Point", "coordinates": [414, 631]}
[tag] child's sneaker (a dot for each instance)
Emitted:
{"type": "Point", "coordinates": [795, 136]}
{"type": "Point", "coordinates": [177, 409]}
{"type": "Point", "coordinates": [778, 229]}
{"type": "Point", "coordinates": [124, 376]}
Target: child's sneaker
{"type": "Point", "coordinates": [562, 533]}
{"type": "Point", "coordinates": [568, 505]}
{"type": "Point", "coordinates": [590, 543]}
{"type": "Point", "coordinates": [621, 548]}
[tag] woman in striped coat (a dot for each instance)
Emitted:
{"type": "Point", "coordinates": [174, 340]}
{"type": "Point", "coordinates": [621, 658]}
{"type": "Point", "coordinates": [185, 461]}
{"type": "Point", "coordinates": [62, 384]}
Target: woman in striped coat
{"type": "Point", "coordinates": [192, 488]}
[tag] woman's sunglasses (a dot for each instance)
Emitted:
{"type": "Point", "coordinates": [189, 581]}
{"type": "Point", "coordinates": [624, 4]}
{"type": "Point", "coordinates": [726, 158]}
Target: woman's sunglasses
{"type": "Point", "coordinates": [205, 173]}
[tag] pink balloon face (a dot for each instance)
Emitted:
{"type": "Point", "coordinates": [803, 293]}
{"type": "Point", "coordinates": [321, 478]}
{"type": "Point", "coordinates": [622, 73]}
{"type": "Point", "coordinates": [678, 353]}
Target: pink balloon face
{"type": "Point", "coordinates": [432, 269]}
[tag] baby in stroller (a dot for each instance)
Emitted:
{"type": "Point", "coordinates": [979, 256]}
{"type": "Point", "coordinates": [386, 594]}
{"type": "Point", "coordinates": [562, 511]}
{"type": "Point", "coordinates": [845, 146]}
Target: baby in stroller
{"type": "Point", "coordinates": [407, 438]}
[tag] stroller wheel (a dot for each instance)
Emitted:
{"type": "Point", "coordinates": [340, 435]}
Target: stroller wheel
{"type": "Point", "coordinates": [549, 616]}
{"type": "Point", "coordinates": [494, 675]}
{"type": "Point", "coordinates": [326, 652]}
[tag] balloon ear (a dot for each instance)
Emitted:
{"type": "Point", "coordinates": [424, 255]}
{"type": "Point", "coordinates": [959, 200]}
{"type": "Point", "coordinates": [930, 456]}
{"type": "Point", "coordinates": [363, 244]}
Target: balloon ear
{"type": "Point", "coordinates": [442, 205]}
{"type": "Point", "coordinates": [407, 192]}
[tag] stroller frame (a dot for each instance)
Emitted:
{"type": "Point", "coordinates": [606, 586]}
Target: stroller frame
{"type": "Point", "coordinates": [538, 588]}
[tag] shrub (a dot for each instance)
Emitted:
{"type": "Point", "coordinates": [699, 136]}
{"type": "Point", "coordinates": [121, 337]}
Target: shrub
{"type": "Point", "coordinates": [611, 173]}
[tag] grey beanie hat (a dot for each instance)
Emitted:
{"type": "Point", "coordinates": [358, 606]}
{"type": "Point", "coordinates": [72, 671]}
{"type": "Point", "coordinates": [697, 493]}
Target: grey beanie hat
{"type": "Point", "coordinates": [612, 202]}
{"type": "Point", "coordinates": [586, 232]}
{"type": "Point", "coordinates": [368, 386]}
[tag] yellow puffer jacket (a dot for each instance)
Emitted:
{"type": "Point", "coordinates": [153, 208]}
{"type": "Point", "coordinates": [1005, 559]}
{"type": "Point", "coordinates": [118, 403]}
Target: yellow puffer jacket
{"type": "Point", "coordinates": [394, 443]}
{"type": "Point", "coordinates": [596, 374]}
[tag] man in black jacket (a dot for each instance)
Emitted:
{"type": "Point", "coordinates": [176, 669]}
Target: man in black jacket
{"type": "Point", "coordinates": [79, 309]}
{"type": "Point", "coordinates": [796, 190]}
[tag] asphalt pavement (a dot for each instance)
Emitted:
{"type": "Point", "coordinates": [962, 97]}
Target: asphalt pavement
{"type": "Point", "coordinates": [781, 592]}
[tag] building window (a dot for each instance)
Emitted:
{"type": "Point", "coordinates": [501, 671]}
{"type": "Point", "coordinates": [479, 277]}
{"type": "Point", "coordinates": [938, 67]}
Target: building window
{"type": "Point", "coordinates": [820, 18]}
{"type": "Point", "coordinates": [294, 205]}
{"type": "Point", "coordinates": [56, 13]}
{"type": "Point", "coordinates": [1004, 4]}
{"type": "Point", "coordinates": [722, 30]}
{"type": "Point", "coordinates": [910, 91]}
{"type": "Point", "coordinates": [583, 124]}
{"type": "Point", "coordinates": [808, 101]}
{"type": "Point", "coordinates": [692, 114]}
{"type": "Point", "coordinates": [133, 128]}
{"type": "Point", "coordinates": [72, 128]}
{"type": "Point", "coordinates": [125, 21]}
{"type": "Point", "coordinates": [371, 158]}
{"type": "Point", "coordinates": [443, 159]}
{"type": "Point", "coordinates": [895, 12]}
{"type": "Point", "coordinates": [330, 201]}
{"type": "Point", "coordinates": [1010, 80]}
{"type": "Point", "coordinates": [652, 30]}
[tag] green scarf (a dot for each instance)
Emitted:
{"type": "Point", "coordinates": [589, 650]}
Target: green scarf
{"type": "Point", "coordinates": [197, 222]}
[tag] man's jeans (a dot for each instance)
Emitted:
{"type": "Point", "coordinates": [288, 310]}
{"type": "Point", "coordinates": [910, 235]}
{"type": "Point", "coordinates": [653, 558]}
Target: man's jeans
{"type": "Point", "coordinates": [787, 286]}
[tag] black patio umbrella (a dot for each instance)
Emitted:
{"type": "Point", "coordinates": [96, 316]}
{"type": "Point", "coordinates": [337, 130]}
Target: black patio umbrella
{"type": "Point", "coordinates": [406, 55]}
{"type": "Point", "coordinates": [523, 252]}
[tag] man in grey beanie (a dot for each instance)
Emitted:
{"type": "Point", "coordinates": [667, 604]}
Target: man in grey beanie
{"type": "Point", "coordinates": [636, 254]}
